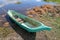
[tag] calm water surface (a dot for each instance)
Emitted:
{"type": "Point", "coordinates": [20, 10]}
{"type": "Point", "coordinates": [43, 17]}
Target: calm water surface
{"type": "Point", "coordinates": [25, 4]}
{"type": "Point", "coordinates": [6, 5]}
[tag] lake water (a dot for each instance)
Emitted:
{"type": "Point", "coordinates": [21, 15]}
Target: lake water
{"type": "Point", "coordinates": [25, 4]}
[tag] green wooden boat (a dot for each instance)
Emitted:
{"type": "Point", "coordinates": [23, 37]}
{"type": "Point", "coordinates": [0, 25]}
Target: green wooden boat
{"type": "Point", "coordinates": [29, 24]}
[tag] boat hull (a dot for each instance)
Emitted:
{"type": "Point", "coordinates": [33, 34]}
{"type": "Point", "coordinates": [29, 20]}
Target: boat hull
{"type": "Point", "coordinates": [40, 28]}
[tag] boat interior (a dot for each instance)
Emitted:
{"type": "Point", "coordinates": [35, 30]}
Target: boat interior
{"type": "Point", "coordinates": [26, 20]}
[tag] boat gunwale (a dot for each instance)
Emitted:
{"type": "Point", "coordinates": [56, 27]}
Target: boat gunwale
{"type": "Point", "coordinates": [39, 28]}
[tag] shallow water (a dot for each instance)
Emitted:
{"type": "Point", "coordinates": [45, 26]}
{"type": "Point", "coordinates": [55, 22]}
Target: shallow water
{"type": "Point", "coordinates": [6, 5]}
{"type": "Point", "coordinates": [10, 4]}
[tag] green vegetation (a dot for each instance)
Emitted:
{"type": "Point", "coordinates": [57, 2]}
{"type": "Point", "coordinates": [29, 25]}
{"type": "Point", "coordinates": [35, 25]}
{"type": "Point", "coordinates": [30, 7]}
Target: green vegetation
{"type": "Point", "coordinates": [55, 24]}
{"type": "Point", "coordinates": [52, 0]}
{"type": "Point", "coordinates": [18, 2]}
{"type": "Point", "coordinates": [4, 31]}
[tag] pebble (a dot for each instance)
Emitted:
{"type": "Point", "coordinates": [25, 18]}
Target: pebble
{"type": "Point", "coordinates": [30, 16]}
{"type": "Point", "coordinates": [57, 15]}
{"type": "Point", "coordinates": [32, 12]}
{"type": "Point", "coordinates": [6, 24]}
{"type": "Point", "coordinates": [3, 15]}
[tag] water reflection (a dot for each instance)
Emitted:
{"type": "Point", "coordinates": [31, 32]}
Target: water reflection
{"type": "Point", "coordinates": [21, 8]}
{"type": "Point", "coordinates": [24, 6]}
{"type": "Point", "coordinates": [27, 2]}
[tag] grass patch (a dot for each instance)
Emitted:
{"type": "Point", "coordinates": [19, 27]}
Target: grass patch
{"type": "Point", "coordinates": [18, 2]}
{"type": "Point", "coordinates": [53, 1]}
{"type": "Point", "coordinates": [55, 24]}
{"type": "Point", "coordinates": [4, 31]}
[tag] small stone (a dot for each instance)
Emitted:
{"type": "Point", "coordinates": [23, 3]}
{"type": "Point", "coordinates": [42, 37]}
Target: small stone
{"type": "Point", "coordinates": [56, 15]}
{"type": "Point", "coordinates": [30, 16]}
{"type": "Point", "coordinates": [42, 11]}
{"type": "Point", "coordinates": [45, 9]}
{"type": "Point", "coordinates": [6, 24]}
{"type": "Point", "coordinates": [36, 8]}
{"type": "Point", "coordinates": [3, 15]}
{"type": "Point", "coordinates": [32, 12]}
{"type": "Point", "coordinates": [48, 6]}
{"type": "Point", "coordinates": [28, 12]}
